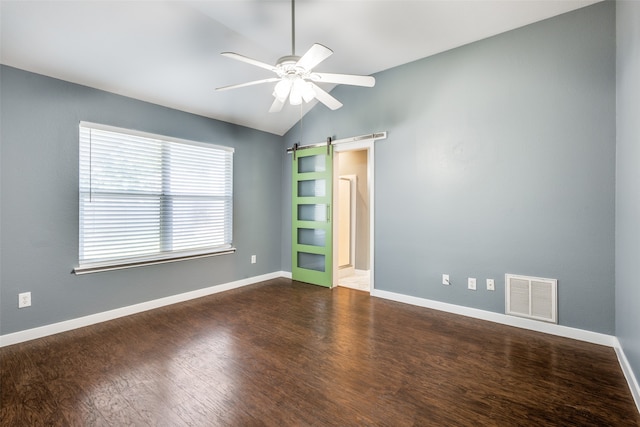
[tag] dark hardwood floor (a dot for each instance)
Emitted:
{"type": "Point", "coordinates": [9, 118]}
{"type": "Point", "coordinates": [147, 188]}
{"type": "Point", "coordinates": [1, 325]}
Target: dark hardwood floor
{"type": "Point", "coordinates": [282, 353]}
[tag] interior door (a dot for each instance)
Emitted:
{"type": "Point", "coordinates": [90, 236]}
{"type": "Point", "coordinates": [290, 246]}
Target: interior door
{"type": "Point", "coordinates": [311, 234]}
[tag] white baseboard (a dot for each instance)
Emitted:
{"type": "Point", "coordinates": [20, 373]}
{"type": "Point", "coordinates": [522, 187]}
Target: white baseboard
{"type": "Point", "coordinates": [67, 325]}
{"type": "Point", "coordinates": [628, 373]}
{"type": "Point", "coordinates": [549, 328]}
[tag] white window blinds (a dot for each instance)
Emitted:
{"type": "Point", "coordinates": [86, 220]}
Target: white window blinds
{"type": "Point", "coordinates": [148, 198]}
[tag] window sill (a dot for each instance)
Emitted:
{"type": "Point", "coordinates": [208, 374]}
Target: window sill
{"type": "Point", "coordinates": [98, 268]}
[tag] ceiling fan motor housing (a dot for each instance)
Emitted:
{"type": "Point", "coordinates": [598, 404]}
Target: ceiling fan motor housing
{"type": "Point", "coordinates": [286, 66]}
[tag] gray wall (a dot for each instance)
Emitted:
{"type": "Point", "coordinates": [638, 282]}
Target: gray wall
{"type": "Point", "coordinates": [39, 223]}
{"type": "Point", "coordinates": [499, 159]}
{"type": "Point", "coordinates": [628, 181]}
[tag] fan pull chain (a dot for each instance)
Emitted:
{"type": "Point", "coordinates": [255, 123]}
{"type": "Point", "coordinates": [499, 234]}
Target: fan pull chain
{"type": "Point", "coordinates": [301, 127]}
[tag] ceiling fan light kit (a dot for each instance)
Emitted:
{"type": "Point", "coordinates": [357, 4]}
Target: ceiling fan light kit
{"type": "Point", "coordinates": [296, 79]}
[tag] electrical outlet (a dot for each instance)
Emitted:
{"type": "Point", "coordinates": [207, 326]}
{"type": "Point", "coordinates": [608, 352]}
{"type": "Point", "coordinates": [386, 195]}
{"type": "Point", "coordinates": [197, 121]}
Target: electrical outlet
{"type": "Point", "coordinates": [254, 259]}
{"type": "Point", "coordinates": [445, 279]}
{"type": "Point", "coordinates": [24, 300]}
{"type": "Point", "coordinates": [472, 283]}
{"type": "Point", "coordinates": [491, 286]}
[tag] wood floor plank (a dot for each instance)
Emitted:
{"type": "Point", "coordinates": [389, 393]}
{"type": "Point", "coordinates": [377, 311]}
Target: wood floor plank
{"type": "Point", "coordinates": [282, 353]}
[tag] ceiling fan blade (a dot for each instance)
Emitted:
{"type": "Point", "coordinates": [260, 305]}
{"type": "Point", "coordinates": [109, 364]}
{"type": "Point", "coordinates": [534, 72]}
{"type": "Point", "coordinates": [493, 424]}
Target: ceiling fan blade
{"type": "Point", "coordinates": [248, 60]}
{"type": "Point", "coordinates": [315, 55]}
{"type": "Point", "coordinates": [277, 105]}
{"type": "Point", "coordinates": [255, 82]}
{"type": "Point", "coordinates": [346, 79]}
{"type": "Point", "coordinates": [325, 98]}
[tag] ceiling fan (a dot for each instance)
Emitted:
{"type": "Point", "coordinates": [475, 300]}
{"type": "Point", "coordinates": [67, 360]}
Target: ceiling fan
{"type": "Point", "coordinates": [296, 79]}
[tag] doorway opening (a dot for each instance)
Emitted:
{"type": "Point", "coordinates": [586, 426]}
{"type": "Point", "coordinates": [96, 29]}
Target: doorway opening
{"type": "Point", "coordinates": [352, 218]}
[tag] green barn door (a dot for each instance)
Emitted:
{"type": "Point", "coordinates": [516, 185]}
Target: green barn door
{"type": "Point", "coordinates": [311, 234]}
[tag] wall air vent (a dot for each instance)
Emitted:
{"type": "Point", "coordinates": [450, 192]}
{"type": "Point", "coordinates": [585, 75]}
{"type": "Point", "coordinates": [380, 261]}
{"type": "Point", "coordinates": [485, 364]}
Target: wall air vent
{"type": "Point", "coordinates": [532, 297]}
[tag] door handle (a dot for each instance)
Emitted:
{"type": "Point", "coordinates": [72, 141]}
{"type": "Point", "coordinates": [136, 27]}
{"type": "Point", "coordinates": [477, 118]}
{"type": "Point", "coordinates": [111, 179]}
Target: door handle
{"type": "Point", "coordinates": [328, 213]}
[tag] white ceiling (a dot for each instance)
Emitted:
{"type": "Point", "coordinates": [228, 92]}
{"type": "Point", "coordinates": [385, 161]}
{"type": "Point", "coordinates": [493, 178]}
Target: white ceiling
{"type": "Point", "coordinates": [167, 53]}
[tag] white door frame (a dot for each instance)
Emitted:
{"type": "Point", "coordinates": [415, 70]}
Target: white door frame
{"type": "Point", "coordinates": [367, 145]}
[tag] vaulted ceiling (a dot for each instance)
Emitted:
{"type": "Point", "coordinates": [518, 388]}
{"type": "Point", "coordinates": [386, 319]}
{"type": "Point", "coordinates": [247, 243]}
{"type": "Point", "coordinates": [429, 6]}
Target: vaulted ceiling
{"type": "Point", "coordinates": [168, 52]}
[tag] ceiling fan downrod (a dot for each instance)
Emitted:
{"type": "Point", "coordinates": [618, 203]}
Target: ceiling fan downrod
{"type": "Point", "coordinates": [293, 27]}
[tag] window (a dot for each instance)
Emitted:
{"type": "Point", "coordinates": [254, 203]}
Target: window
{"type": "Point", "coordinates": [147, 199]}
